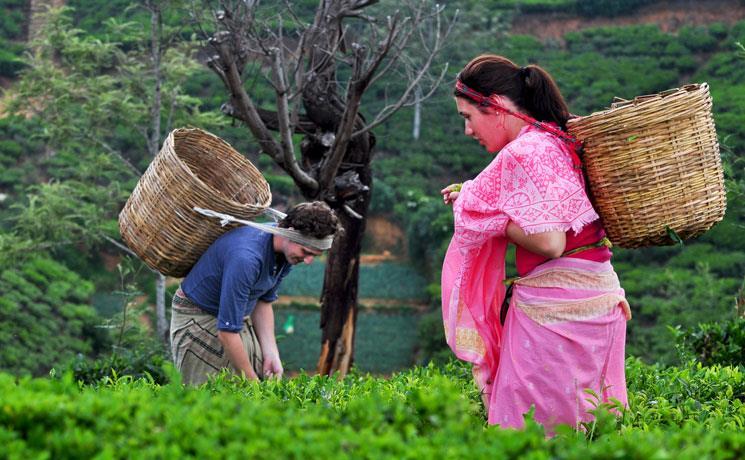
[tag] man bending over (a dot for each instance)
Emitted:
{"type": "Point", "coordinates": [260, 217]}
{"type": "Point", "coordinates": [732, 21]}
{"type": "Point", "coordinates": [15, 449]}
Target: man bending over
{"type": "Point", "coordinates": [222, 314]}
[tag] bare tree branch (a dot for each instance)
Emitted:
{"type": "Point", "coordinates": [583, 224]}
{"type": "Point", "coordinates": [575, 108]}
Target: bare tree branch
{"type": "Point", "coordinates": [349, 117]}
{"type": "Point", "coordinates": [126, 249]}
{"type": "Point", "coordinates": [271, 120]}
{"type": "Point", "coordinates": [285, 129]}
{"type": "Point", "coordinates": [132, 168]}
{"type": "Point", "coordinates": [394, 28]}
{"type": "Point", "coordinates": [250, 116]}
{"type": "Point", "coordinates": [439, 41]}
{"type": "Point", "coordinates": [403, 101]}
{"type": "Point", "coordinates": [359, 4]}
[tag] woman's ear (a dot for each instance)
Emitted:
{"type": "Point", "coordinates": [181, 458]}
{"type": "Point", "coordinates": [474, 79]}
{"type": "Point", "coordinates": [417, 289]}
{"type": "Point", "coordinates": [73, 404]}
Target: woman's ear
{"type": "Point", "coordinates": [497, 100]}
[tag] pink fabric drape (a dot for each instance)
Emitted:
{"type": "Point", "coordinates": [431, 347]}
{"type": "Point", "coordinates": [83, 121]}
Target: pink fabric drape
{"type": "Point", "coordinates": [531, 182]}
{"type": "Point", "coordinates": [564, 334]}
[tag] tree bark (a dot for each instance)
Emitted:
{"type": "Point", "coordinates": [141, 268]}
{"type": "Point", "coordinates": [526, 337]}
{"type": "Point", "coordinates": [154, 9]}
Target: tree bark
{"type": "Point", "coordinates": [161, 325]}
{"type": "Point", "coordinates": [417, 115]}
{"type": "Point", "coordinates": [153, 142]}
{"type": "Point", "coordinates": [339, 298]}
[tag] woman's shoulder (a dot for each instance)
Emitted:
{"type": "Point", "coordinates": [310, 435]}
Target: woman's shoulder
{"type": "Point", "coordinates": [533, 143]}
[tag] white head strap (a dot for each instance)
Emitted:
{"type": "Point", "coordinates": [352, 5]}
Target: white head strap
{"type": "Point", "coordinates": [321, 244]}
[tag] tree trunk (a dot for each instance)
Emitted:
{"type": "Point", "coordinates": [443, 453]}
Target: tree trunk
{"type": "Point", "coordinates": [153, 142]}
{"type": "Point", "coordinates": [417, 115]}
{"type": "Point", "coordinates": [336, 149]}
{"type": "Point", "coordinates": [339, 297]}
{"type": "Point", "coordinates": [161, 325]}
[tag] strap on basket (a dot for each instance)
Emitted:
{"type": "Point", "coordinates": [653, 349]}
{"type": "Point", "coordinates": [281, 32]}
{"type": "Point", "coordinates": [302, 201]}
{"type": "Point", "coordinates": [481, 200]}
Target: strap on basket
{"type": "Point", "coordinates": [322, 244]}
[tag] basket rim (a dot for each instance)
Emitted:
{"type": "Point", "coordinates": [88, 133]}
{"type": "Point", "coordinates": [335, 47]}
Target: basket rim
{"type": "Point", "coordinates": [643, 101]}
{"type": "Point", "coordinates": [216, 192]}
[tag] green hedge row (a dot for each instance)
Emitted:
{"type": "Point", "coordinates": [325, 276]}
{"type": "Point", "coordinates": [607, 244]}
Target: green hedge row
{"type": "Point", "coordinates": [44, 317]}
{"type": "Point", "coordinates": [715, 343]}
{"type": "Point", "coordinates": [381, 281]}
{"type": "Point", "coordinates": [687, 413]}
{"type": "Point", "coordinates": [384, 342]}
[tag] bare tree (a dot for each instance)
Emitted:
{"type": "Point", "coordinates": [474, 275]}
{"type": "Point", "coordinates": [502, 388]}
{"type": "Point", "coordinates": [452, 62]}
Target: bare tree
{"type": "Point", "coordinates": [152, 137]}
{"type": "Point", "coordinates": [319, 68]}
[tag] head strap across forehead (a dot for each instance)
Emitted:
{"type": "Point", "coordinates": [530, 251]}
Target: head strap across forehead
{"type": "Point", "coordinates": [320, 244]}
{"type": "Point", "coordinates": [484, 101]}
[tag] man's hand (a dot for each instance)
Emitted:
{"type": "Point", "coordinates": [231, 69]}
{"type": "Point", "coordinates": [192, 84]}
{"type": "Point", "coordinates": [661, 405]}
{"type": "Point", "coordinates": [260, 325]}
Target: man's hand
{"type": "Point", "coordinates": [263, 320]}
{"type": "Point", "coordinates": [272, 367]}
{"type": "Point", "coordinates": [233, 346]}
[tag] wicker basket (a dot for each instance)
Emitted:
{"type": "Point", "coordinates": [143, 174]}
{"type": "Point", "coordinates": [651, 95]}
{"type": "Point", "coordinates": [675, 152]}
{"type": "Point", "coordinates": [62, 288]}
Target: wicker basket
{"type": "Point", "coordinates": [194, 168]}
{"type": "Point", "coordinates": [653, 165]}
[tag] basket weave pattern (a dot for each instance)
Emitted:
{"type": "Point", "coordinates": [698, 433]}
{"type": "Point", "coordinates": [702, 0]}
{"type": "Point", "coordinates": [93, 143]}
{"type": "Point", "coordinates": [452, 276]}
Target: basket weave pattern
{"type": "Point", "coordinates": [654, 163]}
{"type": "Point", "coordinates": [194, 168]}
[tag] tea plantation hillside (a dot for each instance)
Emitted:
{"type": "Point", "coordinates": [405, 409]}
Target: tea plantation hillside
{"type": "Point", "coordinates": [691, 412]}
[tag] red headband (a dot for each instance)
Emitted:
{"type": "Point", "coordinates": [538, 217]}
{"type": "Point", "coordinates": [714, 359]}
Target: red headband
{"type": "Point", "coordinates": [484, 101]}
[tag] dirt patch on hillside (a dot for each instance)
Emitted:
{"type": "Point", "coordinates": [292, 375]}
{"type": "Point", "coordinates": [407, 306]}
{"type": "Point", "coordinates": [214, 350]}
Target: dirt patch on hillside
{"type": "Point", "coordinates": [669, 15]}
{"type": "Point", "coordinates": [384, 235]}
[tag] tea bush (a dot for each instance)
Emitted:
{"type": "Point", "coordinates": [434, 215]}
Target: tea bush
{"type": "Point", "coordinates": [381, 281]}
{"type": "Point", "coordinates": [714, 343]}
{"type": "Point", "coordinates": [44, 317]}
{"type": "Point", "coordinates": [426, 412]}
{"type": "Point", "coordinates": [384, 338]}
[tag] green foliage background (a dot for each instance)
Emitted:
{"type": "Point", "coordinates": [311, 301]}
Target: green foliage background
{"type": "Point", "coordinates": [75, 105]}
{"type": "Point", "coordinates": [63, 178]}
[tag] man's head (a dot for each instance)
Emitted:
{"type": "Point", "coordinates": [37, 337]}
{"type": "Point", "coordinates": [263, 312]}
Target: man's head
{"type": "Point", "coordinates": [314, 221]}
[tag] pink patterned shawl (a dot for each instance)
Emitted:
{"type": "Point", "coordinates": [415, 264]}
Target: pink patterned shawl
{"type": "Point", "coordinates": [531, 182]}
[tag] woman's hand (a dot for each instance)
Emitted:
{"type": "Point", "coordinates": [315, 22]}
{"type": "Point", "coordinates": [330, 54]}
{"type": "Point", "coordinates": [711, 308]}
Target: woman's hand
{"type": "Point", "coordinates": [450, 193]}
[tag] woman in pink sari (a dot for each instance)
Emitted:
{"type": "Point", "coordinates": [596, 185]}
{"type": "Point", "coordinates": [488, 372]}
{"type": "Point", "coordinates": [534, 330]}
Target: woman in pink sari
{"type": "Point", "coordinates": [565, 328]}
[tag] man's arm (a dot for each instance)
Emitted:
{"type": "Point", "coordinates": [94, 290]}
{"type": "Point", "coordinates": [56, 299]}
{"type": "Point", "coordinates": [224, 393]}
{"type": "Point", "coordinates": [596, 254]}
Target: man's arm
{"type": "Point", "coordinates": [263, 321]}
{"type": "Point", "coordinates": [233, 345]}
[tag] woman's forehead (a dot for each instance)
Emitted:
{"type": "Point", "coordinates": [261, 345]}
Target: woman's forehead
{"type": "Point", "coordinates": [464, 105]}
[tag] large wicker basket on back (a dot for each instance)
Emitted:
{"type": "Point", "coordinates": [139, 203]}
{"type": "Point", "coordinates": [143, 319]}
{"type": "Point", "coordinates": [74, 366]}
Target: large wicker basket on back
{"type": "Point", "coordinates": [194, 168]}
{"type": "Point", "coordinates": [653, 165]}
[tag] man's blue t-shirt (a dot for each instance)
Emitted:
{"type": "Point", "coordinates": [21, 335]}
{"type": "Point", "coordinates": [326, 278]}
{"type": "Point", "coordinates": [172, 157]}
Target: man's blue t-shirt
{"type": "Point", "coordinates": [236, 270]}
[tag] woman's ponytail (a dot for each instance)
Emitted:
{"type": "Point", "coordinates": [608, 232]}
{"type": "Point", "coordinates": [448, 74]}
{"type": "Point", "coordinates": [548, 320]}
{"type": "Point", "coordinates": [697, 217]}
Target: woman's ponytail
{"type": "Point", "coordinates": [541, 97]}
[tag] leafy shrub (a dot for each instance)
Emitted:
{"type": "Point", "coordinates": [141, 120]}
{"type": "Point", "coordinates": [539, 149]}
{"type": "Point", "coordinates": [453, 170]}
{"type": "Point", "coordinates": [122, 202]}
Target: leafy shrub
{"type": "Point", "coordinates": [609, 7]}
{"type": "Point", "coordinates": [692, 394]}
{"type": "Point", "coordinates": [384, 340]}
{"type": "Point", "coordinates": [386, 280]}
{"type": "Point", "coordinates": [44, 317]}
{"type": "Point", "coordinates": [669, 296]}
{"type": "Point", "coordinates": [11, 20]}
{"type": "Point", "coordinates": [431, 339]}
{"type": "Point", "coordinates": [144, 362]}
{"type": "Point", "coordinates": [10, 60]}
{"type": "Point", "coordinates": [425, 412]}
{"type": "Point", "coordinates": [697, 39]}
{"type": "Point", "coordinates": [429, 228]}
{"type": "Point", "coordinates": [714, 343]}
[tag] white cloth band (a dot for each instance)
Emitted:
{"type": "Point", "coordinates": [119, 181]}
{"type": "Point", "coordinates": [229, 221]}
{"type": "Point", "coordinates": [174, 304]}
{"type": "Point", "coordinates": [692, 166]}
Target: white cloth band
{"type": "Point", "coordinates": [321, 244]}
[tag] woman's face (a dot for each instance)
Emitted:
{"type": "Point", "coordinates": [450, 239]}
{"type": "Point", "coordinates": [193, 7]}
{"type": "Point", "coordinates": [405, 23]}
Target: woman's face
{"type": "Point", "coordinates": [486, 125]}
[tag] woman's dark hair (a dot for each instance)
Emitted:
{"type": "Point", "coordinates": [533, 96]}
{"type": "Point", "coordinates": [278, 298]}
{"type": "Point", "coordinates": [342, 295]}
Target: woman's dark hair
{"type": "Point", "coordinates": [531, 88]}
{"type": "Point", "coordinates": [315, 219]}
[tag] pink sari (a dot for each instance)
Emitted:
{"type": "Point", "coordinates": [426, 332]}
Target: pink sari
{"type": "Point", "coordinates": [531, 182]}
